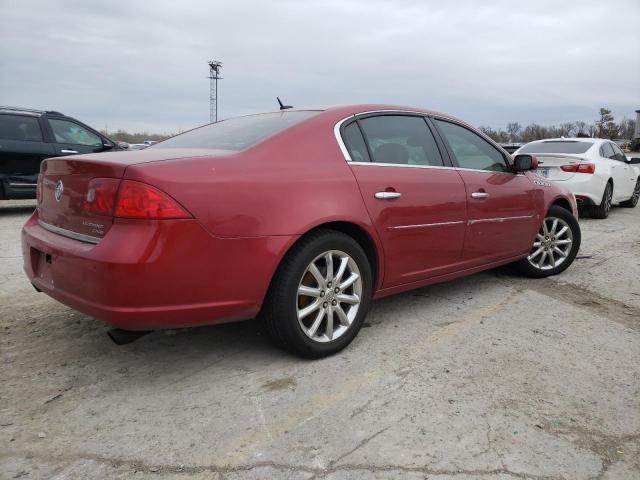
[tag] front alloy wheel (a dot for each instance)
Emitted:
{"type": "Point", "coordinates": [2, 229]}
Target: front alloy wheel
{"type": "Point", "coordinates": [555, 246]}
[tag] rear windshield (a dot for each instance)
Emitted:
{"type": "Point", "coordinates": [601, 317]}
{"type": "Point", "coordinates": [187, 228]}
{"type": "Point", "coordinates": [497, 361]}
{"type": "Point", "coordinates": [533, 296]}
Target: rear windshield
{"type": "Point", "coordinates": [236, 133]}
{"type": "Point", "coordinates": [562, 146]}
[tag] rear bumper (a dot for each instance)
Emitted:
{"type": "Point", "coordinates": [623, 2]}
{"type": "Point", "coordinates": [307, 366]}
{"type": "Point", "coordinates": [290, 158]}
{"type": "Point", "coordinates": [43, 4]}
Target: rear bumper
{"type": "Point", "coordinates": [587, 188]}
{"type": "Point", "coordinates": [147, 275]}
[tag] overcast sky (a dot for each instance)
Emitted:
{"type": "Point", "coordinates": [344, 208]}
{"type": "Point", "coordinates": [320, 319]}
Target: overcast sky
{"type": "Point", "coordinates": [142, 65]}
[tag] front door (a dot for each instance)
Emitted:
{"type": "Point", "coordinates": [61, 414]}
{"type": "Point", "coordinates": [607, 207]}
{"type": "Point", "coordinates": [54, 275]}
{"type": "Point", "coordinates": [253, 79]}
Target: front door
{"type": "Point", "coordinates": [416, 201]}
{"type": "Point", "coordinates": [502, 219]}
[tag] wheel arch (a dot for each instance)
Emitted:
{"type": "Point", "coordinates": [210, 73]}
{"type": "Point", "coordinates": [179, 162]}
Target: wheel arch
{"type": "Point", "coordinates": [367, 240]}
{"type": "Point", "coordinates": [364, 238]}
{"type": "Point", "coordinates": [562, 202]}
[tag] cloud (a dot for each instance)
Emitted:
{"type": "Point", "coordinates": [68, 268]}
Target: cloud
{"type": "Point", "coordinates": [143, 65]}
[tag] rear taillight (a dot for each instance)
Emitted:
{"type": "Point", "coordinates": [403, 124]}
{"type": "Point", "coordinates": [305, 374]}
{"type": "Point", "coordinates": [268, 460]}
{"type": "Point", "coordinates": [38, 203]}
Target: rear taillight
{"type": "Point", "coordinates": [579, 168]}
{"type": "Point", "coordinates": [129, 199]}
{"type": "Point", "coordinates": [101, 196]}
{"type": "Point", "coordinates": [139, 200]}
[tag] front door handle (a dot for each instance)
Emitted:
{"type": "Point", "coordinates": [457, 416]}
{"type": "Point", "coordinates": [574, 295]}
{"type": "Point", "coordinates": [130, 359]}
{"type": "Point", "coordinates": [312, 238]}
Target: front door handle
{"type": "Point", "coordinates": [387, 195]}
{"type": "Point", "coordinates": [68, 151]}
{"type": "Point", "coordinates": [479, 195]}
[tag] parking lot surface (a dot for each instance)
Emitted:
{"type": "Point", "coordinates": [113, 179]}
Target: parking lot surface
{"type": "Point", "coordinates": [490, 376]}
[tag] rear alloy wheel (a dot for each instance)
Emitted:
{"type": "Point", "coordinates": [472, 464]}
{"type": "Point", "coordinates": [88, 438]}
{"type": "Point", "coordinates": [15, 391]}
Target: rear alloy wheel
{"type": "Point", "coordinates": [602, 210]}
{"type": "Point", "coordinates": [633, 201]}
{"type": "Point", "coordinates": [555, 246]}
{"type": "Point", "coordinates": [319, 296]}
{"type": "Point", "coordinates": [329, 296]}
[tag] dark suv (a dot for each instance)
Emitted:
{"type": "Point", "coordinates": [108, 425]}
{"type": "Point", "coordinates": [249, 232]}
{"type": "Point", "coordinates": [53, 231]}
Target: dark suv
{"type": "Point", "coordinates": [29, 136]}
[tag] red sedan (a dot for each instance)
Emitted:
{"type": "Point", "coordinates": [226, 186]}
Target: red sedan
{"type": "Point", "coordinates": [300, 217]}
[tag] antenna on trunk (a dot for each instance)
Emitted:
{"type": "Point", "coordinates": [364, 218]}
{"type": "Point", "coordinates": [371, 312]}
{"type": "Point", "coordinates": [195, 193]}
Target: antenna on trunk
{"type": "Point", "coordinates": [282, 106]}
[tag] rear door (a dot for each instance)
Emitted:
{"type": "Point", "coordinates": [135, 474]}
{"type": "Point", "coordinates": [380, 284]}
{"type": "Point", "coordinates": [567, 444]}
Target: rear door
{"type": "Point", "coordinates": [22, 148]}
{"type": "Point", "coordinates": [502, 220]}
{"type": "Point", "coordinates": [71, 137]}
{"type": "Point", "coordinates": [415, 200]}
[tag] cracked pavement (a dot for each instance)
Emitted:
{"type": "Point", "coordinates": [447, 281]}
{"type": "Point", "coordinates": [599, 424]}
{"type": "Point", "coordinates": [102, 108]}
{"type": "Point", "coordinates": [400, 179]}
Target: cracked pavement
{"type": "Point", "coordinates": [491, 376]}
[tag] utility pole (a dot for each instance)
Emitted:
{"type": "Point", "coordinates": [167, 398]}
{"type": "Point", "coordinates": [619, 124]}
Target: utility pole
{"type": "Point", "coordinates": [214, 76]}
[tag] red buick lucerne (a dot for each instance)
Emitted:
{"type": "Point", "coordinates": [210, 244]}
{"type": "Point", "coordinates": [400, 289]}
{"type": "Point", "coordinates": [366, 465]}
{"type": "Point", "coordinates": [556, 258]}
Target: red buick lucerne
{"type": "Point", "coordinates": [298, 217]}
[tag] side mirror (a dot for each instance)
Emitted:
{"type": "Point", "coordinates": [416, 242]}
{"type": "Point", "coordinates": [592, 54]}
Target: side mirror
{"type": "Point", "coordinates": [633, 161]}
{"type": "Point", "coordinates": [524, 163]}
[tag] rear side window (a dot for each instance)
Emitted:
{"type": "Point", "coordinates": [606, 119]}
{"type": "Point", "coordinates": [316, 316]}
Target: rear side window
{"type": "Point", "coordinates": [355, 143]}
{"type": "Point", "coordinates": [20, 127]}
{"type": "Point", "coordinates": [65, 131]}
{"type": "Point", "coordinates": [559, 146]}
{"type": "Point", "coordinates": [400, 139]}
{"type": "Point", "coordinates": [470, 149]}
{"type": "Point", "coordinates": [237, 133]}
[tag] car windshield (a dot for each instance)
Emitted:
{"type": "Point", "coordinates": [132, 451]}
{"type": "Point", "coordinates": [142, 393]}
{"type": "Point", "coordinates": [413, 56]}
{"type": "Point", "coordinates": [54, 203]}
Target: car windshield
{"type": "Point", "coordinates": [236, 133]}
{"type": "Point", "coordinates": [560, 146]}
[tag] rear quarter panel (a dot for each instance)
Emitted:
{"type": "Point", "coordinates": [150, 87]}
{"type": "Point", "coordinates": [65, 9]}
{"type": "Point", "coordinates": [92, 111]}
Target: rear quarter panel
{"type": "Point", "coordinates": [285, 186]}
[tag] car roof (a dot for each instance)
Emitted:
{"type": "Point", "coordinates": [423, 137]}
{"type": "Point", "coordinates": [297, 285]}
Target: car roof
{"type": "Point", "coordinates": [27, 111]}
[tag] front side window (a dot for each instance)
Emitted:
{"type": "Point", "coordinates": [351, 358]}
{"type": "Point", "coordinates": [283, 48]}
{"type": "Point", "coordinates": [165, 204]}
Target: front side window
{"type": "Point", "coordinates": [237, 133]}
{"type": "Point", "coordinates": [470, 149]}
{"type": "Point", "coordinates": [65, 131]}
{"type": "Point", "coordinates": [400, 139]}
{"type": "Point", "coordinates": [20, 127]}
{"type": "Point", "coordinates": [618, 153]}
{"type": "Point", "coordinates": [606, 151]}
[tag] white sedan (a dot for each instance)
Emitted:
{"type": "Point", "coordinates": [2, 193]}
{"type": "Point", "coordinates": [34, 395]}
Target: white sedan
{"type": "Point", "coordinates": [595, 170]}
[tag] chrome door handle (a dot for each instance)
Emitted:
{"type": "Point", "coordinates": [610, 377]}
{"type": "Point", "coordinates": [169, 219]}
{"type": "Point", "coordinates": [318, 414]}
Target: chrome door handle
{"type": "Point", "coordinates": [68, 151]}
{"type": "Point", "coordinates": [387, 195]}
{"type": "Point", "coordinates": [479, 195]}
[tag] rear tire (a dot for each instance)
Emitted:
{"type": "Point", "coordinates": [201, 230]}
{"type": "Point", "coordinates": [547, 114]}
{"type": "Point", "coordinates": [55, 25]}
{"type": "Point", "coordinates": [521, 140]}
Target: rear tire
{"type": "Point", "coordinates": [633, 201]}
{"type": "Point", "coordinates": [306, 294]}
{"type": "Point", "coordinates": [602, 211]}
{"type": "Point", "coordinates": [555, 247]}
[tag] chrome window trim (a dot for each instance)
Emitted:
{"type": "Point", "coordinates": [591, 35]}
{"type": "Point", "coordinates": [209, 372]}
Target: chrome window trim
{"type": "Point", "coordinates": [401, 165]}
{"type": "Point", "coordinates": [69, 234]}
{"type": "Point", "coordinates": [341, 144]}
{"type": "Point", "coordinates": [484, 171]}
{"type": "Point", "coordinates": [498, 219]}
{"type": "Point", "coordinates": [347, 157]}
{"type": "Point", "coordinates": [425, 225]}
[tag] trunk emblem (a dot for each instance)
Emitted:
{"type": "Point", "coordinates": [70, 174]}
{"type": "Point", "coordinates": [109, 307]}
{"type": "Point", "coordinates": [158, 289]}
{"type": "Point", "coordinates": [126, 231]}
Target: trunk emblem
{"type": "Point", "coordinates": [59, 190]}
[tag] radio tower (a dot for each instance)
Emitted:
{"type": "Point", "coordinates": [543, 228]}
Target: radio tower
{"type": "Point", "coordinates": [214, 76]}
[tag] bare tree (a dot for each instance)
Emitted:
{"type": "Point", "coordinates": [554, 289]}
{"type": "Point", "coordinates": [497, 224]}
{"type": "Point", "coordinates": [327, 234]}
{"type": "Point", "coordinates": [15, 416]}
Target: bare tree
{"type": "Point", "coordinates": [513, 129]}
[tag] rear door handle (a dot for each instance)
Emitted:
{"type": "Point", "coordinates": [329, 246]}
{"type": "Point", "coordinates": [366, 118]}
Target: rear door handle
{"type": "Point", "coordinates": [479, 195]}
{"type": "Point", "coordinates": [68, 151]}
{"type": "Point", "coordinates": [387, 195]}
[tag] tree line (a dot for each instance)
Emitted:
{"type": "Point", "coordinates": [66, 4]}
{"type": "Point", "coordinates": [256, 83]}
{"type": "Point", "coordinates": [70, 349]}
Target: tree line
{"type": "Point", "coordinates": [139, 137]}
{"type": "Point", "coordinates": [604, 127]}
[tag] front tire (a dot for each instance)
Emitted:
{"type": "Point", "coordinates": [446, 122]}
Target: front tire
{"type": "Point", "coordinates": [319, 296]}
{"type": "Point", "coordinates": [555, 247]}
{"type": "Point", "coordinates": [602, 211]}
{"type": "Point", "coordinates": [633, 201]}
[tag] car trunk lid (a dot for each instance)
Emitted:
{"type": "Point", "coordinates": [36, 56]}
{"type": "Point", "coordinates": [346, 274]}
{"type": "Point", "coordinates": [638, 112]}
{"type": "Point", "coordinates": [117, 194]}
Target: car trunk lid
{"type": "Point", "coordinates": [63, 186]}
{"type": "Point", "coordinates": [549, 165]}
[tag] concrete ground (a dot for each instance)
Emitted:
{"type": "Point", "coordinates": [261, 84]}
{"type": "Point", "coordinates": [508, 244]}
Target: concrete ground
{"type": "Point", "coordinates": [491, 376]}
